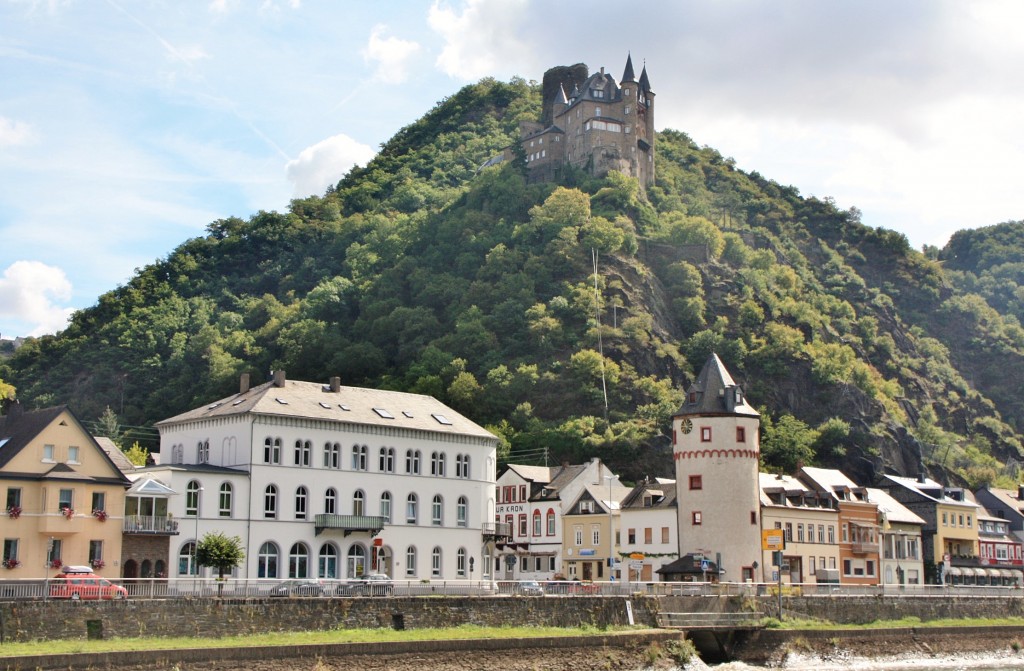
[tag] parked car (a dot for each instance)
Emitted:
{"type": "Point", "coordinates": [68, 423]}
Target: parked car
{"type": "Point", "coordinates": [298, 588]}
{"type": "Point", "coordinates": [373, 584]}
{"type": "Point", "coordinates": [79, 582]}
{"type": "Point", "coordinates": [529, 588]}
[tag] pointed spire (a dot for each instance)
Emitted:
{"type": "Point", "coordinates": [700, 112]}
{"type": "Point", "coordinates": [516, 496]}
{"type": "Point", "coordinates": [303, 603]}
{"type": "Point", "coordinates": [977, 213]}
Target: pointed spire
{"type": "Point", "coordinates": [575, 90]}
{"type": "Point", "coordinates": [627, 74]}
{"type": "Point", "coordinates": [644, 83]}
{"type": "Point", "coordinates": [714, 391]}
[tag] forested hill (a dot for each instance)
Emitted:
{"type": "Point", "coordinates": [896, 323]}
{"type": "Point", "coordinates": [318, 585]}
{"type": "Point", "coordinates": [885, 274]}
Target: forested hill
{"type": "Point", "coordinates": [422, 272]}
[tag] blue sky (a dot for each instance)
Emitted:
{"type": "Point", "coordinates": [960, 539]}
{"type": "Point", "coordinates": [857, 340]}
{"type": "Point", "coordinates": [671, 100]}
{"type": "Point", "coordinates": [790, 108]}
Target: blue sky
{"type": "Point", "coordinates": [127, 126]}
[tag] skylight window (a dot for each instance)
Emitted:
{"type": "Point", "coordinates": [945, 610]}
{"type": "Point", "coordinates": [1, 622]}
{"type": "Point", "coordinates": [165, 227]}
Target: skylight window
{"type": "Point", "coordinates": [281, 401]}
{"type": "Point", "coordinates": [441, 419]}
{"type": "Point", "coordinates": [326, 406]}
{"type": "Point", "coordinates": [239, 401]}
{"type": "Point", "coordinates": [383, 413]}
{"type": "Point", "coordinates": [407, 414]}
{"type": "Point", "coordinates": [215, 405]}
{"type": "Point", "coordinates": [344, 407]}
{"type": "Point", "coordinates": [3, 441]}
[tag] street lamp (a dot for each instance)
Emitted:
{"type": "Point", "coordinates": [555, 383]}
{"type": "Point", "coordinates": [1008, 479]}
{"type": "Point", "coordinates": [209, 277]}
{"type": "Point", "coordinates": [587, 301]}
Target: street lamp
{"type": "Point", "coordinates": [611, 531]}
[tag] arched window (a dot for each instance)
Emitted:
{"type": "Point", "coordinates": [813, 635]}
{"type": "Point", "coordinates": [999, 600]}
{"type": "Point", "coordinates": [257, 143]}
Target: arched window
{"type": "Point", "coordinates": [437, 464]}
{"type": "Point", "coordinates": [327, 565]}
{"type": "Point", "coordinates": [462, 512]}
{"type": "Point", "coordinates": [411, 512]}
{"type": "Point", "coordinates": [386, 460]}
{"type": "Point", "coordinates": [412, 462]}
{"type": "Point", "coordinates": [551, 522]}
{"type": "Point", "coordinates": [435, 562]}
{"type": "Point", "coordinates": [358, 502]}
{"type": "Point", "coordinates": [537, 529]}
{"type": "Point", "coordinates": [266, 566]}
{"type": "Point", "coordinates": [303, 448]}
{"type": "Point", "coordinates": [300, 503]}
{"type": "Point", "coordinates": [437, 510]}
{"type": "Point", "coordinates": [356, 561]}
{"type": "Point", "coordinates": [187, 559]}
{"type": "Point", "coordinates": [460, 563]}
{"type": "Point", "coordinates": [298, 561]}
{"type": "Point", "coordinates": [270, 502]}
{"type": "Point", "coordinates": [203, 452]}
{"type": "Point", "coordinates": [359, 457]}
{"type": "Point", "coordinates": [410, 561]}
{"type": "Point", "coordinates": [272, 450]}
{"type": "Point", "coordinates": [330, 501]}
{"type": "Point", "coordinates": [332, 455]}
{"type": "Point", "coordinates": [192, 498]}
{"type": "Point", "coordinates": [225, 499]}
{"type": "Point", "coordinates": [462, 466]}
{"type": "Point", "coordinates": [385, 506]}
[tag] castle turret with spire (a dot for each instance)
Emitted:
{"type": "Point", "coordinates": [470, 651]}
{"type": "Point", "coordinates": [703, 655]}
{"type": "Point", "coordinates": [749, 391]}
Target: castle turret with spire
{"type": "Point", "coordinates": [716, 451]}
{"type": "Point", "coordinates": [593, 123]}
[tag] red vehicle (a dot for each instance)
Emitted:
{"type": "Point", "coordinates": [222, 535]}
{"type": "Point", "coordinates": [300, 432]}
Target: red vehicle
{"type": "Point", "coordinates": [79, 582]}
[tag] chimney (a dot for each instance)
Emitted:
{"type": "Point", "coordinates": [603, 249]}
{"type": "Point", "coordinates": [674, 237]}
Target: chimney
{"type": "Point", "coordinates": [14, 410]}
{"type": "Point", "coordinates": [279, 378]}
{"type": "Point", "coordinates": [921, 477]}
{"type": "Point", "coordinates": [335, 384]}
{"type": "Point", "coordinates": [243, 383]}
{"type": "Point", "coordinates": [1020, 492]}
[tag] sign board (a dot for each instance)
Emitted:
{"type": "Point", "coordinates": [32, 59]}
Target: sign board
{"type": "Point", "coordinates": [587, 552]}
{"type": "Point", "coordinates": [704, 565]}
{"type": "Point", "coordinates": [638, 555]}
{"type": "Point", "coordinates": [773, 539]}
{"type": "Point", "coordinates": [636, 565]}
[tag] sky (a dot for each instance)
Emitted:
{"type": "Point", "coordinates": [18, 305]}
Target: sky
{"type": "Point", "coordinates": [128, 126]}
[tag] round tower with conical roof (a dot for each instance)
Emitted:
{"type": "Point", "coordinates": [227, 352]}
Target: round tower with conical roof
{"type": "Point", "coordinates": [716, 452]}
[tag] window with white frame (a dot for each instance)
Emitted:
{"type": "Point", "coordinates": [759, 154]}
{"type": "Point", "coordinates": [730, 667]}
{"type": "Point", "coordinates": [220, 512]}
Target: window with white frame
{"type": "Point", "coordinates": [330, 501]}
{"type": "Point", "coordinates": [551, 522]}
{"type": "Point", "coordinates": [272, 450]}
{"type": "Point", "coordinates": [462, 512]}
{"type": "Point", "coordinates": [224, 500]}
{"type": "Point", "coordinates": [386, 460]}
{"type": "Point", "coordinates": [412, 462]}
{"type": "Point", "coordinates": [358, 503]}
{"type": "Point", "coordinates": [192, 499]}
{"type": "Point", "coordinates": [300, 503]}
{"type": "Point", "coordinates": [332, 455]}
{"type": "Point", "coordinates": [327, 561]}
{"type": "Point", "coordinates": [410, 561]}
{"type": "Point", "coordinates": [359, 457]}
{"type": "Point", "coordinates": [437, 511]}
{"type": "Point", "coordinates": [385, 506]}
{"type": "Point", "coordinates": [435, 562]}
{"type": "Point", "coordinates": [267, 560]}
{"type": "Point", "coordinates": [437, 464]}
{"type": "Point", "coordinates": [460, 563]}
{"type": "Point", "coordinates": [270, 502]}
{"type": "Point", "coordinates": [411, 512]}
{"type": "Point", "coordinates": [301, 454]}
{"type": "Point", "coordinates": [298, 561]}
{"type": "Point", "coordinates": [73, 454]}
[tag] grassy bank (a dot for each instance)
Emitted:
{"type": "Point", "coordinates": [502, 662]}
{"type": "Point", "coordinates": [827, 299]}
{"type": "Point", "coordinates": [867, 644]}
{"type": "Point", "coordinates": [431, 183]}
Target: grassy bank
{"type": "Point", "coordinates": [294, 638]}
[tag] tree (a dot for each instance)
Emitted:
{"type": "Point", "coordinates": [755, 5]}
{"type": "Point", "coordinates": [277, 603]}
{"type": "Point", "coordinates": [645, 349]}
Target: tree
{"type": "Point", "coordinates": [7, 393]}
{"type": "Point", "coordinates": [137, 454]}
{"type": "Point", "coordinates": [220, 551]}
{"type": "Point", "coordinates": [109, 426]}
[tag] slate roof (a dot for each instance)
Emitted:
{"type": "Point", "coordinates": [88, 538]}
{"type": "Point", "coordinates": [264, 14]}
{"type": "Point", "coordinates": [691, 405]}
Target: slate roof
{"type": "Point", "coordinates": [891, 509]}
{"type": "Point", "coordinates": [929, 490]}
{"type": "Point", "coordinates": [119, 458]}
{"type": "Point", "coordinates": [715, 393]}
{"type": "Point", "coordinates": [662, 492]}
{"type": "Point", "coordinates": [19, 428]}
{"type": "Point", "coordinates": [348, 405]}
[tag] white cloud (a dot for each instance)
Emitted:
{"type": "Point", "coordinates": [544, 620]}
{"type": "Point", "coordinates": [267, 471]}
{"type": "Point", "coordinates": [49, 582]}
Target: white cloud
{"type": "Point", "coordinates": [324, 163]}
{"type": "Point", "coordinates": [13, 132]}
{"type": "Point", "coordinates": [391, 54]}
{"type": "Point", "coordinates": [29, 292]}
{"type": "Point", "coordinates": [478, 40]}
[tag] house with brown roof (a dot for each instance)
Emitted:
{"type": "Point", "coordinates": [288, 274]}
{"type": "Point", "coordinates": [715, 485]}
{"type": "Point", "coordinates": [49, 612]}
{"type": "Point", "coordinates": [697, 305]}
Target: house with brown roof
{"type": "Point", "coordinates": [64, 496]}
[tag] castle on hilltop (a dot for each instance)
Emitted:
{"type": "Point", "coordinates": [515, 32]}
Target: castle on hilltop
{"type": "Point", "coordinates": [598, 126]}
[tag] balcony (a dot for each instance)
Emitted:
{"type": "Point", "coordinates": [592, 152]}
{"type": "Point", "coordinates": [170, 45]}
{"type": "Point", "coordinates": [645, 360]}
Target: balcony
{"type": "Point", "coordinates": [157, 525]}
{"type": "Point", "coordinates": [864, 547]}
{"type": "Point", "coordinates": [497, 531]}
{"type": "Point", "coordinates": [371, 524]}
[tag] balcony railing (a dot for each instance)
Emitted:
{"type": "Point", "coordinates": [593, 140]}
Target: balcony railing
{"type": "Point", "coordinates": [150, 524]}
{"type": "Point", "coordinates": [497, 531]}
{"type": "Point", "coordinates": [371, 524]}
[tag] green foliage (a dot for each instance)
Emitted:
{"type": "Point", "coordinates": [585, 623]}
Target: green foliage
{"type": "Point", "coordinates": [220, 551]}
{"type": "Point", "coordinates": [423, 272]}
{"type": "Point", "coordinates": [137, 454]}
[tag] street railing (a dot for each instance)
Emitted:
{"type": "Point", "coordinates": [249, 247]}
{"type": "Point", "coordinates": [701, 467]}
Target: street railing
{"type": "Point", "coordinates": [165, 588]}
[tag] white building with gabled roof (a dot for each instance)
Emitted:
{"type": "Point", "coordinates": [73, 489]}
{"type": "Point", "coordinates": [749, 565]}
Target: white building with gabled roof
{"type": "Point", "coordinates": [334, 482]}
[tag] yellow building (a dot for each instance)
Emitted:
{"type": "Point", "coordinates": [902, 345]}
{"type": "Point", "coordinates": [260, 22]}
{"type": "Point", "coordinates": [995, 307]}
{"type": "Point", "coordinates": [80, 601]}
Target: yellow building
{"type": "Point", "coordinates": [64, 497]}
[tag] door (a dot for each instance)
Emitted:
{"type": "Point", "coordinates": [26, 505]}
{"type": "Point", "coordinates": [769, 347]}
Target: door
{"type": "Point", "coordinates": [588, 570]}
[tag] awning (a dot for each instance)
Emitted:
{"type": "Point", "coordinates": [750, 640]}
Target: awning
{"type": "Point", "coordinates": [1006, 573]}
{"type": "Point", "coordinates": [954, 570]}
{"type": "Point", "coordinates": [980, 572]}
{"type": "Point", "coordinates": [994, 572]}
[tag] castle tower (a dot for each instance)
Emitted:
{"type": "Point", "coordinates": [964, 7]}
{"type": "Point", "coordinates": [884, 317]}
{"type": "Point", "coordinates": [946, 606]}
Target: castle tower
{"type": "Point", "coordinates": [716, 453]}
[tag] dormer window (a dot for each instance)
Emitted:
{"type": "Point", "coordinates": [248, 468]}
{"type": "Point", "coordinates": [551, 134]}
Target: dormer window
{"type": "Point", "coordinates": [693, 397]}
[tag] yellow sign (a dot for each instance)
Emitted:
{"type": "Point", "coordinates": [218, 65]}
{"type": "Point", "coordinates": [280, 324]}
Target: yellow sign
{"type": "Point", "coordinates": [637, 555]}
{"type": "Point", "coordinates": [773, 539]}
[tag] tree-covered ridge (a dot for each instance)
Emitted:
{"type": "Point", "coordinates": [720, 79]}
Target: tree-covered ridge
{"type": "Point", "coordinates": [567, 318]}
